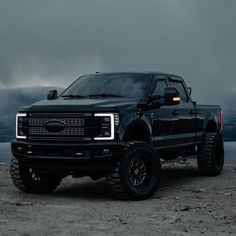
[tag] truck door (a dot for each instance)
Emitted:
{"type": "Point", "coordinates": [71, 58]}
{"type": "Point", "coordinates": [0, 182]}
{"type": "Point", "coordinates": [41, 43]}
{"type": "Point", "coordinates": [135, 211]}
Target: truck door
{"type": "Point", "coordinates": [162, 119]}
{"type": "Point", "coordinates": [184, 128]}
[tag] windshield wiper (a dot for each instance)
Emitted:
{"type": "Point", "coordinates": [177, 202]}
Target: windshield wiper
{"type": "Point", "coordinates": [105, 95]}
{"type": "Point", "coordinates": [73, 96]}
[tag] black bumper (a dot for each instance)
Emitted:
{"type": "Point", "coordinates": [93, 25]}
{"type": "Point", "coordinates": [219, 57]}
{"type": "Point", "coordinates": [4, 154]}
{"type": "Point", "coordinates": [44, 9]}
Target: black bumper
{"type": "Point", "coordinates": [66, 156]}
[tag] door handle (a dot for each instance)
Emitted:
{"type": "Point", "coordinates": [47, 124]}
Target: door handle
{"type": "Point", "coordinates": [175, 113]}
{"type": "Point", "coordinates": [192, 113]}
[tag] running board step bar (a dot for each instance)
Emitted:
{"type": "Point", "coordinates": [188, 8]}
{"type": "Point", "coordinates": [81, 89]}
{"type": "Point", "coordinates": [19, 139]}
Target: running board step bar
{"type": "Point", "coordinates": [179, 159]}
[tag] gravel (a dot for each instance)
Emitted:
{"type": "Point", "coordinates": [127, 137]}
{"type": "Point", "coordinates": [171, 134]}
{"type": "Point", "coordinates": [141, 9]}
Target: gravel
{"type": "Point", "coordinates": [185, 204]}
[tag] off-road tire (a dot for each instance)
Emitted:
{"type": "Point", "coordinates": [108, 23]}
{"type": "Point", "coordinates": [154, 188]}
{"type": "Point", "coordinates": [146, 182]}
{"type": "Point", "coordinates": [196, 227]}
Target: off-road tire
{"type": "Point", "coordinates": [123, 180]}
{"type": "Point", "coordinates": [211, 155]}
{"type": "Point", "coordinates": [28, 180]}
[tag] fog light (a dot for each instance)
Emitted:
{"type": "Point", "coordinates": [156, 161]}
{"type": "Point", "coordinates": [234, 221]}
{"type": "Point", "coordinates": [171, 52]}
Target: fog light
{"type": "Point", "coordinates": [105, 151]}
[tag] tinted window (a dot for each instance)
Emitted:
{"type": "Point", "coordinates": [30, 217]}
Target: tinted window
{"type": "Point", "coordinates": [160, 87]}
{"type": "Point", "coordinates": [181, 89]}
{"type": "Point", "coordinates": [125, 85]}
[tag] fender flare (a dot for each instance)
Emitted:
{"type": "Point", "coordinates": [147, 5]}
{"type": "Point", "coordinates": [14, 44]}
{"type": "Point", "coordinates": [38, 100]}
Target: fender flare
{"type": "Point", "coordinates": [211, 122]}
{"type": "Point", "coordinates": [138, 123]}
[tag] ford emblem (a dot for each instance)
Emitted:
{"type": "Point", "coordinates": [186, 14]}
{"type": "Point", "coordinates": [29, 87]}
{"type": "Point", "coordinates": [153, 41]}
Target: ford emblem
{"type": "Point", "coordinates": [54, 126]}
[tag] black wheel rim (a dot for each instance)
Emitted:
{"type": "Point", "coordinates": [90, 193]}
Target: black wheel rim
{"type": "Point", "coordinates": [137, 171]}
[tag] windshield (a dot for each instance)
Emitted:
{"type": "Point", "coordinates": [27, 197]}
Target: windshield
{"type": "Point", "coordinates": [119, 85]}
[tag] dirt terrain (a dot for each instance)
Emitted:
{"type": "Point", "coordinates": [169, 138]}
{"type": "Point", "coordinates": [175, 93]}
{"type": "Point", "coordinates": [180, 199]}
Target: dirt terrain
{"type": "Point", "coordinates": [186, 204]}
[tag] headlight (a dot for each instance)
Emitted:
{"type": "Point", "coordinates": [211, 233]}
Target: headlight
{"type": "Point", "coordinates": [21, 126]}
{"type": "Point", "coordinates": [108, 122]}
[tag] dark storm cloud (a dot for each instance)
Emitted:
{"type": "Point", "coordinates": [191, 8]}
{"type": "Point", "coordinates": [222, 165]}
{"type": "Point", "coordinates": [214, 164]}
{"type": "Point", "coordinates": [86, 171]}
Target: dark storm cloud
{"type": "Point", "coordinates": [53, 42]}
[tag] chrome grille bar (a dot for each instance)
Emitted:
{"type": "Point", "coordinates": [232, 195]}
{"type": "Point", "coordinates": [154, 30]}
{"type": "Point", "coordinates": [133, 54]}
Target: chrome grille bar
{"type": "Point", "coordinates": [68, 131]}
{"type": "Point", "coordinates": [58, 115]}
{"type": "Point", "coordinates": [66, 121]}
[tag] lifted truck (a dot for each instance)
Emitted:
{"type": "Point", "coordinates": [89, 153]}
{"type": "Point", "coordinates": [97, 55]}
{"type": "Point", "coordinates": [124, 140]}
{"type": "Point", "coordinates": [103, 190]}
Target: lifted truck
{"type": "Point", "coordinates": [121, 126]}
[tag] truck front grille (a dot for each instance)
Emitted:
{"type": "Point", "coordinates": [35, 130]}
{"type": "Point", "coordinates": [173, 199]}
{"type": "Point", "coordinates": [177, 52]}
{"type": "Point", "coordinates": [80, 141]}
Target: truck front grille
{"type": "Point", "coordinates": [77, 126]}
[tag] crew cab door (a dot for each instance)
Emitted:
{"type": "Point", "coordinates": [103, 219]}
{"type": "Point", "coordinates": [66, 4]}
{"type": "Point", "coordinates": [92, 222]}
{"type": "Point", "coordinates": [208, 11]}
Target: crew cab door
{"type": "Point", "coordinates": [162, 120]}
{"type": "Point", "coordinates": [184, 115]}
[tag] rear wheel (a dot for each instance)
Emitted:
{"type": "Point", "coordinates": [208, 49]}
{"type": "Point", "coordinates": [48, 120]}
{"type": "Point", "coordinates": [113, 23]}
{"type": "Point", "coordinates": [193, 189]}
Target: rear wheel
{"type": "Point", "coordinates": [211, 155]}
{"type": "Point", "coordinates": [137, 174]}
{"type": "Point", "coordinates": [32, 180]}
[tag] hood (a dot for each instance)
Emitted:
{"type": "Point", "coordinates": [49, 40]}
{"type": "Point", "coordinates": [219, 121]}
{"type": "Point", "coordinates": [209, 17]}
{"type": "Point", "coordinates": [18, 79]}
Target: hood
{"type": "Point", "coordinates": [81, 104]}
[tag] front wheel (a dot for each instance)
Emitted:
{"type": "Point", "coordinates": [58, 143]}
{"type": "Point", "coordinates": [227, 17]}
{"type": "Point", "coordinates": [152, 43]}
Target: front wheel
{"type": "Point", "coordinates": [137, 174]}
{"type": "Point", "coordinates": [211, 155]}
{"type": "Point", "coordinates": [32, 180]}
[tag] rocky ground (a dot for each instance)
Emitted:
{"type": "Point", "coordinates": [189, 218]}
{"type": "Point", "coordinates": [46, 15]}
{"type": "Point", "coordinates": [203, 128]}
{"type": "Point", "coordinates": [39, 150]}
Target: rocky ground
{"type": "Point", "coordinates": [186, 204]}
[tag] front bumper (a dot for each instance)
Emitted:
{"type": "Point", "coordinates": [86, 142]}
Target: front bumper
{"type": "Point", "coordinates": [67, 156]}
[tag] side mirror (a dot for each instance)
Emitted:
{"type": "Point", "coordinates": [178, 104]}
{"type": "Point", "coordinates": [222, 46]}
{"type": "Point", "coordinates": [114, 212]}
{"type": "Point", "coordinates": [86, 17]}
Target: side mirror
{"type": "Point", "coordinates": [52, 95]}
{"type": "Point", "coordinates": [172, 96]}
{"type": "Point", "coordinates": [190, 90]}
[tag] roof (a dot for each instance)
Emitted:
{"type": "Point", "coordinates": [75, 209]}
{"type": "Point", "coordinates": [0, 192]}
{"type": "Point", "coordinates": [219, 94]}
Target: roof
{"type": "Point", "coordinates": [176, 77]}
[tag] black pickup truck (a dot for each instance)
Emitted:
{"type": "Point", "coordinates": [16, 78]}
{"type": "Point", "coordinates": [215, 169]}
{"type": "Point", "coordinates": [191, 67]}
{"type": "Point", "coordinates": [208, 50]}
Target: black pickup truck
{"type": "Point", "coordinates": [121, 126]}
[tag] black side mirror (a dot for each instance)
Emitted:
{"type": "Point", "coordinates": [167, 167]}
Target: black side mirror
{"type": "Point", "coordinates": [190, 90]}
{"type": "Point", "coordinates": [172, 96]}
{"type": "Point", "coordinates": [52, 95]}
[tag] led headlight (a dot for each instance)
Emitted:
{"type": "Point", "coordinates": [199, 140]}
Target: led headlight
{"type": "Point", "coordinates": [20, 126]}
{"type": "Point", "coordinates": [107, 126]}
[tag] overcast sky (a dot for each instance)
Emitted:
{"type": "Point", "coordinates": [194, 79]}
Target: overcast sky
{"type": "Point", "coordinates": [52, 42]}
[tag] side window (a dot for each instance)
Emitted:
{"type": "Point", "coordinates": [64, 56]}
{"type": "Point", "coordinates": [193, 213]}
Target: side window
{"type": "Point", "coordinates": [181, 89]}
{"type": "Point", "coordinates": [159, 89]}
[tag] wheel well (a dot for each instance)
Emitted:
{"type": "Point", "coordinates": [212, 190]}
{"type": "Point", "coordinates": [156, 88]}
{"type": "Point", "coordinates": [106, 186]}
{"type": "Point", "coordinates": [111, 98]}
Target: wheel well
{"type": "Point", "coordinates": [211, 126]}
{"type": "Point", "coordinates": [137, 133]}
